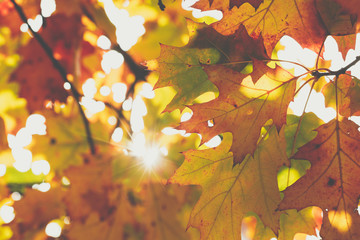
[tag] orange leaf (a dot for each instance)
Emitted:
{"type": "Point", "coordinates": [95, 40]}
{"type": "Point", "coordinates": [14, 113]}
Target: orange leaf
{"type": "Point", "coordinates": [229, 193]}
{"type": "Point", "coordinates": [333, 181]}
{"type": "Point", "coordinates": [242, 108]}
{"type": "Point", "coordinates": [38, 78]}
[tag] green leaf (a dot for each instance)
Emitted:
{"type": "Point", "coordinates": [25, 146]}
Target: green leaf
{"type": "Point", "coordinates": [66, 141]}
{"type": "Point", "coordinates": [229, 193]}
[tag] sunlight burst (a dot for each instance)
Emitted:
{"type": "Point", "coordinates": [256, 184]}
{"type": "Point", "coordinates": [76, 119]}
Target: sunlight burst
{"type": "Point", "coordinates": [149, 156]}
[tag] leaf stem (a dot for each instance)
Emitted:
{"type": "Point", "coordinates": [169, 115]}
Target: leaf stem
{"type": "Point", "coordinates": [318, 56]}
{"type": "Point", "coordinates": [62, 73]}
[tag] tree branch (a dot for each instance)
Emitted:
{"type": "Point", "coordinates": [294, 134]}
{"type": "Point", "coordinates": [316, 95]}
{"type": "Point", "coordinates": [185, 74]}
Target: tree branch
{"type": "Point", "coordinates": [343, 70]}
{"type": "Point", "coordinates": [139, 71]}
{"type": "Point", "coordinates": [62, 73]}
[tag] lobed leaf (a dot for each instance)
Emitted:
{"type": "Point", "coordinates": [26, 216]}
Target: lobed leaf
{"type": "Point", "coordinates": [181, 67]}
{"type": "Point", "coordinates": [332, 182]}
{"type": "Point", "coordinates": [242, 107]}
{"type": "Point", "coordinates": [229, 193]}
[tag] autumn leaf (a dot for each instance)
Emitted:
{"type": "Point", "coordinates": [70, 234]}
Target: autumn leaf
{"type": "Point", "coordinates": [224, 5]}
{"type": "Point", "coordinates": [291, 223]}
{"type": "Point", "coordinates": [82, 200]}
{"type": "Point", "coordinates": [3, 139]}
{"type": "Point", "coordinates": [101, 204]}
{"type": "Point", "coordinates": [336, 20]}
{"type": "Point", "coordinates": [35, 211]}
{"type": "Point", "coordinates": [10, 18]}
{"type": "Point", "coordinates": [299, 130]}
{"type": "Point", "coordinates": [354, 96]}
{"type": "Point", "coordinates": [349, 7]}
{"type": "Point", "coordinates": [259, 171]}
{"type": "Point", "coordinates": [242, 107]}
{"type": "Point", "coordinates": [65, 141]}
{"type": "Point", "coordinates": [160, 208]}
{"type": "Point", "coordinates": [346, 88]}
{"type": "Point", "coordinates": [180, 67]}
{"type": "Point", "coordinates": [332, 94]}
{"type": "Point", "coordinates": [37, 76]}
{"type": "Point", "coordinates": [229, 193]}
{"type": "Point", "coordinates": [345, 43]}
{"type": "Point", "coordinates": [332, 182]}
{"type": "Point", "coordinates": [275, 18]}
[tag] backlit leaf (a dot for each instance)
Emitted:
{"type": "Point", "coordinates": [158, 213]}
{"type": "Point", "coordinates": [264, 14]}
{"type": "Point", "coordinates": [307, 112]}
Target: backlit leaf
{"type": "Point", "coordinates": [332, 183]}
{"type": "Point", "coordinates": [242, 107]}
{"type": "Point", "coordinates": [180, 67]}
{"type": "Point", "coordinates": [229, 193]}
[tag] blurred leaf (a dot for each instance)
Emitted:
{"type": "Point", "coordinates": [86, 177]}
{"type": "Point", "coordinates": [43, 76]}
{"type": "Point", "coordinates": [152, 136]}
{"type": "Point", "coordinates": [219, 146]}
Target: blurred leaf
{"type": "Point", "coordinates": [66, 142]}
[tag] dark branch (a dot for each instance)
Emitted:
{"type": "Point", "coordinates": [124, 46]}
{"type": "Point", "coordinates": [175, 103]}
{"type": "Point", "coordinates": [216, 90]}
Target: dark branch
{"type": "Point", "coordinates": [343, 70]}
{"type": "Point", "coordinates": [62, 73]}
{"type": "Point", "coordinates": [161, 5]}
{"type": "Point", "coordinates": [139, 71]}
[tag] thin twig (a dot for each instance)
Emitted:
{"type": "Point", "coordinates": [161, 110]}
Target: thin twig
{"type": "Point", "coordinates": [343, 70]}
{"type": "Point", "coordinates": [62, 73]}
{"type": "Point", "coordinates": [139, 71]}
{"type": "Point", "coordinates": [318, 56]}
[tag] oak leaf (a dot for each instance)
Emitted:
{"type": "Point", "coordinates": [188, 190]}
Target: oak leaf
{"type": "Point", "coordinates": [229, 193]}
{"type": "Point", "coordinates": [205, 5]}
{"type": "Point", "coordinates": [345, 43]}
{"type": "Point", "coordinates": [275, 18]}
{"type": "Point", "coordinates": [242, 107]}
{"type": "Point", "coordinates": [332, 182]}
{"type": "Point", "coordinates": [354, 95]}
{"type": "Point", "coordinates": [345, 91]}
{"type": "Point", "coordinates": [306, 21]}
{"type": "Point", "coordinates": [291, 223]}
{"type": "Point", "coordinates": [180, 67]}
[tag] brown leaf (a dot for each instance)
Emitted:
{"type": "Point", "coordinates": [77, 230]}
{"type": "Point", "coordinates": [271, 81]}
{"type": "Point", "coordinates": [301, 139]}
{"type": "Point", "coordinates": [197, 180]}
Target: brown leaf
{"type": "Point", "coordinates": [234, 48]}
{"type": "Point", "coordinates": [38, 78]}
{"type": "Point", "coordinates": [308, 22]}
{"type": "Point", "coordinates": [95, 227]}
{"type": "Point", "coordinates": [345, 43]}
{"type": "Point", "coordinates": [180, 67]}
{"type": "Point", "coordinates": [333, 181]}
{"type": "Point", "coordinates": [10, 18]}
{"type": "Point", "coordinates": [354, 95]}
{"type": "Point", "coordinates": [35, 210]}
{"type": "Point", "coordinates": [160, 210]}
{"type": "Point", "coordinates": [275, 18]}
{"type": "Point", "coordinates": [224, 5]}
{"type": "Point", "coordinates": [90, 187]}
{"type": "Point", "coordinates": [242, 108]}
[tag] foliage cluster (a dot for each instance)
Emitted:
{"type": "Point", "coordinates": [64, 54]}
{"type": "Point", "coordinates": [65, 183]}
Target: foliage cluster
{"type": "Point", "coordinates": [273, 175]}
